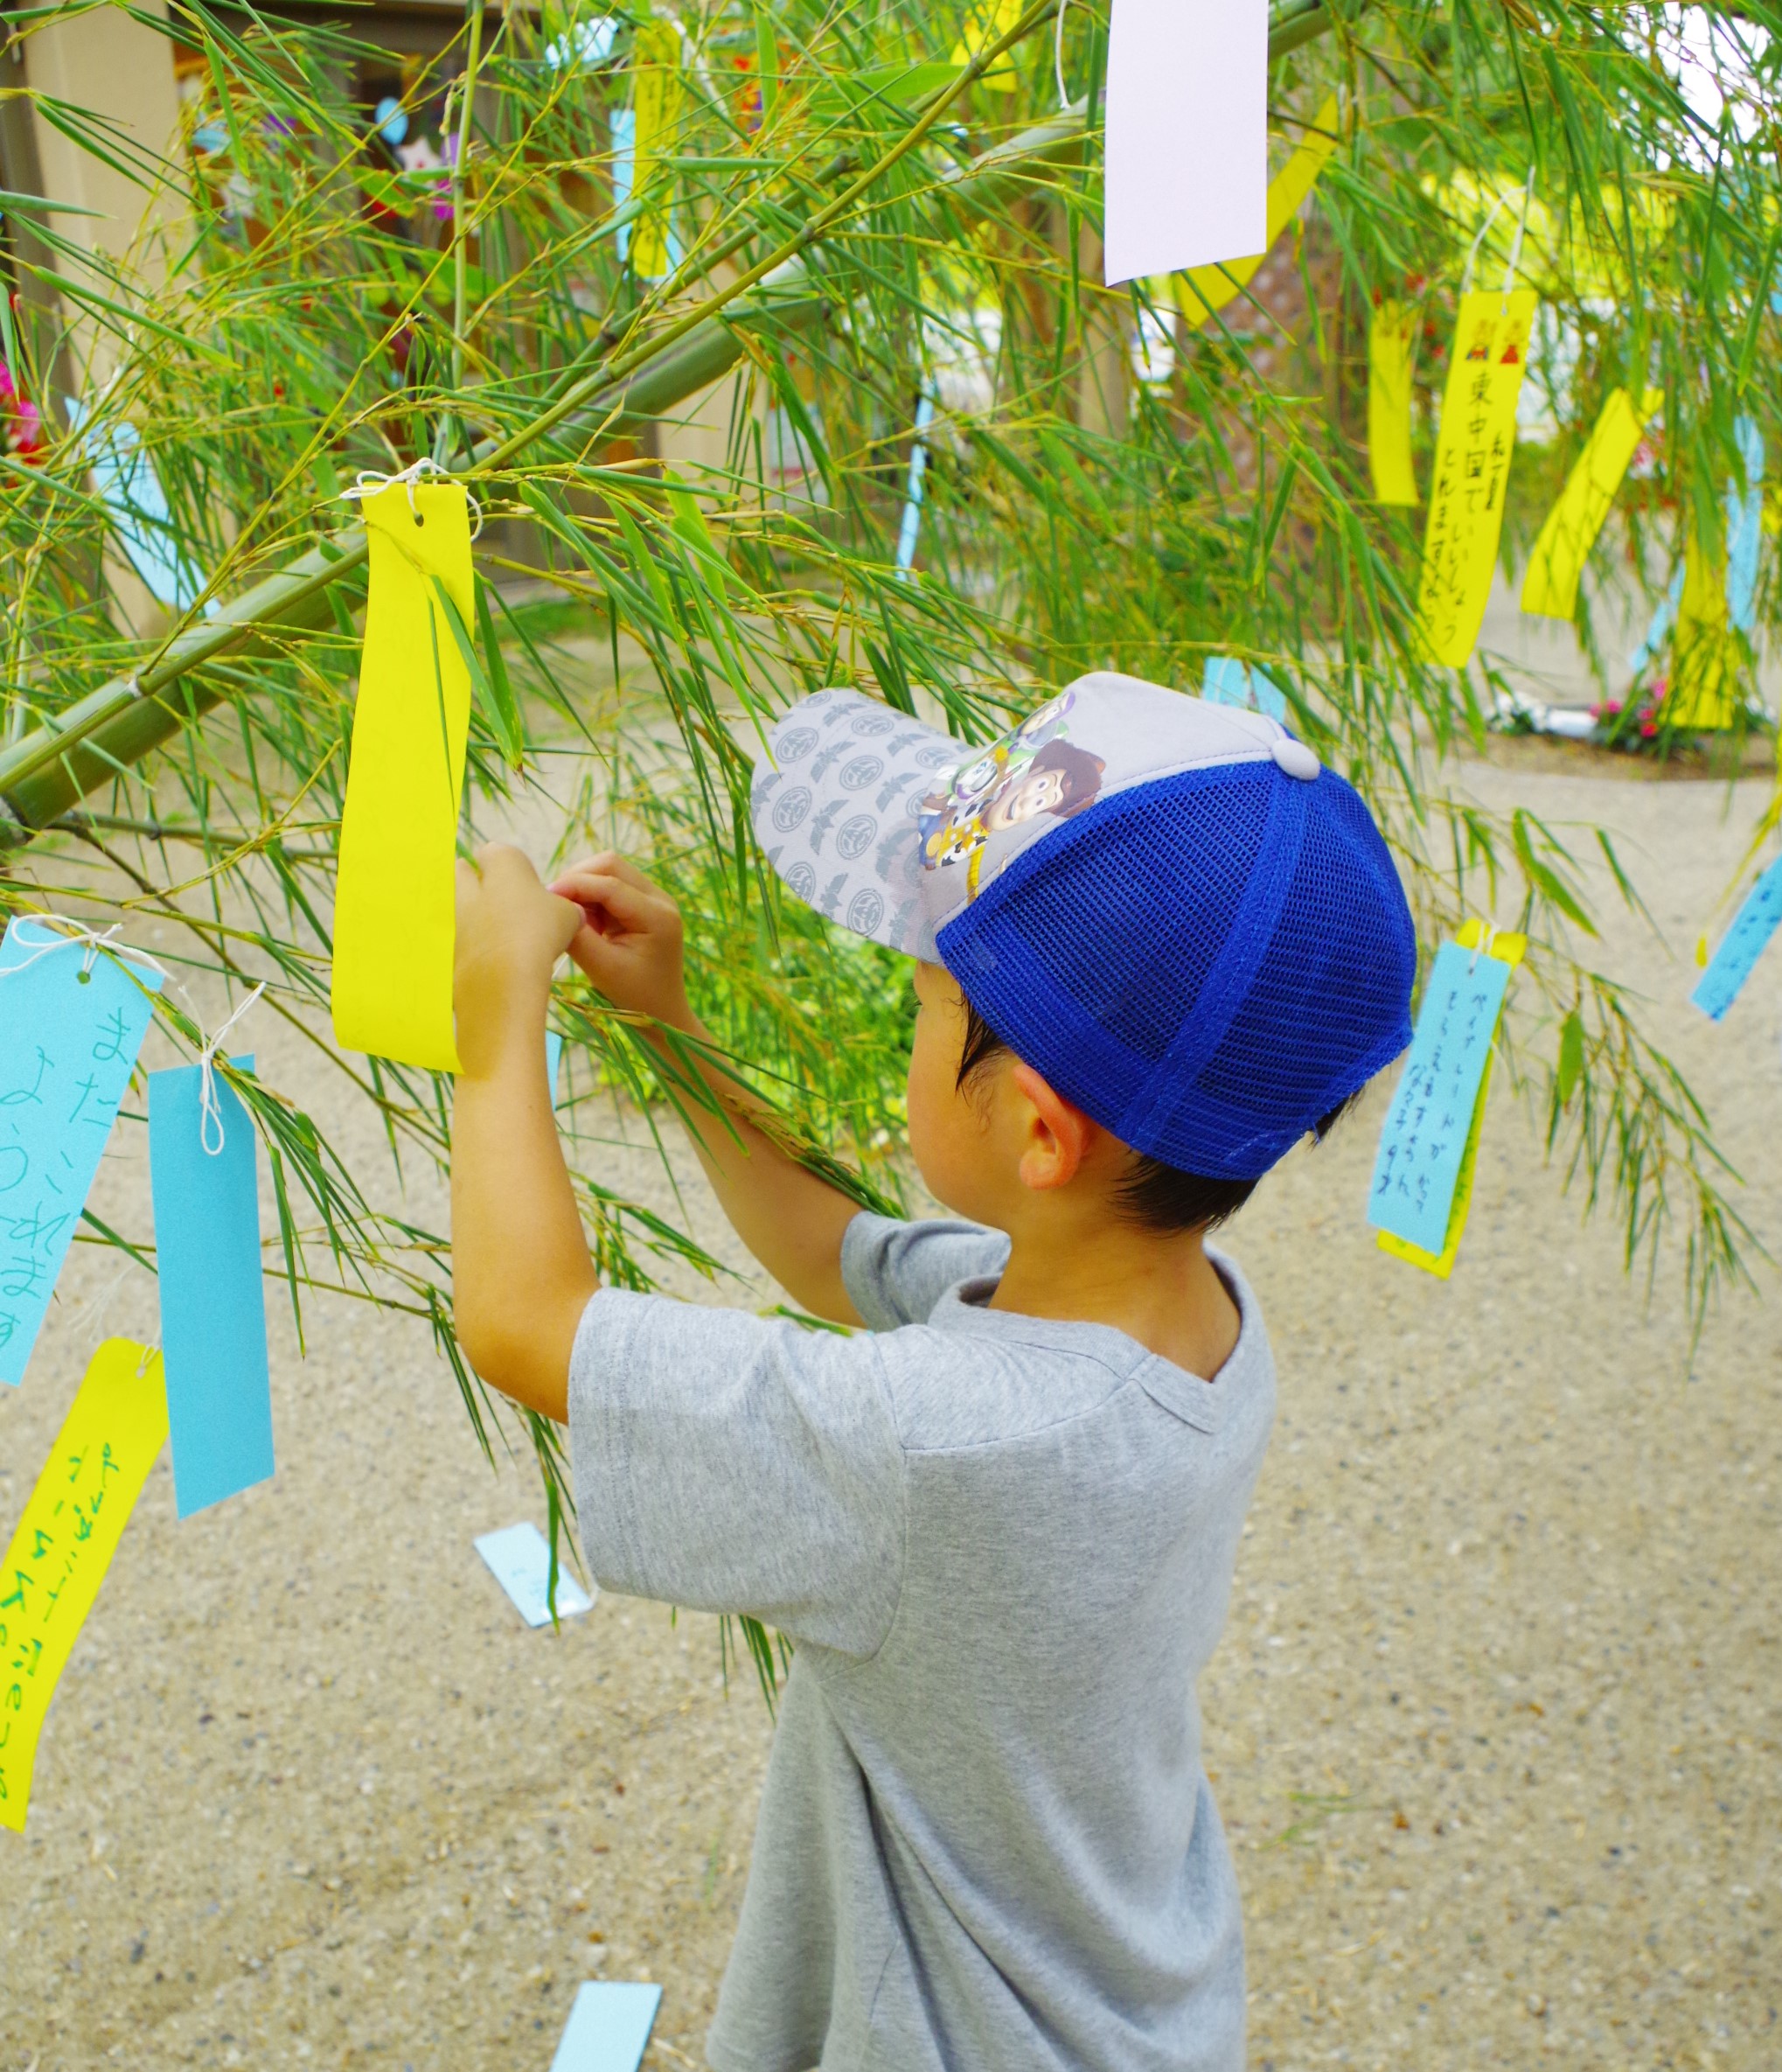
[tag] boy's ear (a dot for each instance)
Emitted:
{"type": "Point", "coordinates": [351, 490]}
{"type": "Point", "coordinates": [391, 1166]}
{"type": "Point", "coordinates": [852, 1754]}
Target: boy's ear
{"type": "Point", "coordinates": [1058, 1133]}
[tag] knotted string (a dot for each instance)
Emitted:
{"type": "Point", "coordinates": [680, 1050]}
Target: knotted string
{"type": "Point", "coordinates": [210, 1112]}
{"type": "Point", "coordinates": [368, 483]}
{"type": "Point", "coordinates": [77, 933]}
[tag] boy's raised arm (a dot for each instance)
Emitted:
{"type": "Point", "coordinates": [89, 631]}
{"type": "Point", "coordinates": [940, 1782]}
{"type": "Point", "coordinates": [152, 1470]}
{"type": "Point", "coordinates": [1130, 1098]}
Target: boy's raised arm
{"type": "Point", "coordinates": [521, 1272]}
{"type": "Point", "coordinates": [791, 1221]}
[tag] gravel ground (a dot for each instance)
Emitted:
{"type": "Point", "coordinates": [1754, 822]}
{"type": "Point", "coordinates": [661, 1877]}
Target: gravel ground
{"type": "Point", "coordinates": [1494, 1727]}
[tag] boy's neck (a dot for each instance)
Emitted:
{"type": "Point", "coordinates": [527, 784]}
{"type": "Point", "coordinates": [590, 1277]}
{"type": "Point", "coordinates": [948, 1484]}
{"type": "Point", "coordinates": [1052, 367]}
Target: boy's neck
{"type": "Point", "coordinates": [1161, 1290]}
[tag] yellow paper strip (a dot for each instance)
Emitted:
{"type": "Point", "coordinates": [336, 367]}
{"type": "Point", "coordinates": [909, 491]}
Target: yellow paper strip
{"type": "Point", "coordinates": [1507, 949]}
{"type": "Point", "coordinates": [1704, 649]}
{"type": "Point", "coordinates": [661, 93]}
{"type": "Point", "coordinates": [1550, 586]}
{"type": "Point", "coordinates": [64, 1543]}
{"type": "Point", "coordinates": [394, 921]}
{"type": "Point", "coordinates": [1390, 338]}
{"type": "Point", "coordinates": [983, 27]}
{"type": "Point", "coordinates": [1472, 464]}
{"type": "Point", "coordinates": [1203, 289]}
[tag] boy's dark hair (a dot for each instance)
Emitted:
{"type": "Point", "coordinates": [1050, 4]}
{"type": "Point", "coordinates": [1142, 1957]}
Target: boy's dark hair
{"type": "Point", "coordinates": [1155, 1196]}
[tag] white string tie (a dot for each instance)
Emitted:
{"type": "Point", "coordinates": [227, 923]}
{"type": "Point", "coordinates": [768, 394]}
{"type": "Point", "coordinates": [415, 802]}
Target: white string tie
{"type": "Point", "coordinates": [77, 935]}
{"type": "Point", "coordinates": [1497, 209]}
{"type": "Point", "coordinates": [1058, 60]}
{"type": "Point", "coordinates": [368, 483]}
{"type": "Point", "coordinates": [210, 1112]}
{"type": "Point", "coordinates": [1521, 232]}
{"type": "Point", "coordinates": [1515, 259]}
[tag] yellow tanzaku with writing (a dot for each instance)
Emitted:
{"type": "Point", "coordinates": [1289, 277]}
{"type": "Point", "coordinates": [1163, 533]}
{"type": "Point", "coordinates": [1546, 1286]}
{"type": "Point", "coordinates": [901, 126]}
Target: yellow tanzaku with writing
{"type": "Point", "coordinates": [1507, 949]}
{"type": "Point", "coordinates": [393, 922]}
{"type": "Point", "coordinates": [1391, 336]}
{"type": "Point", "coordinates": [1202, 289]}
{"type": "Point", "coordinates": [67, 1537]}
{"type": "Point", "coordinates": [1550, 586]}
{"type": "Point", "coordinates": [1472, 466]}
{"type": "Point", "coordinates": [661, 94]}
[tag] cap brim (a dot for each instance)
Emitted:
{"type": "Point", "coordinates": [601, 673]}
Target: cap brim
{"type": "Point", "coordinates": [835, 807]}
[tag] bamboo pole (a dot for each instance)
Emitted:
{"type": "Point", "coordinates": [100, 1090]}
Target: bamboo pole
{"type": "Point", "coordinates": [99, 737]}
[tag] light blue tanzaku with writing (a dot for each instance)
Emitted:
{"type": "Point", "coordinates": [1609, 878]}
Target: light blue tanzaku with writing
{"type": "Point", "coordinates": [73, 1017]}
{"type": "Point", "coordinates": [203, 1174]}
{"type": "Point", "coordinates": [1418, 1163]}
{"type": "Point", "coordinates": [1742, 945]}
{"type": "Point", "coordinates": [518, 1557]}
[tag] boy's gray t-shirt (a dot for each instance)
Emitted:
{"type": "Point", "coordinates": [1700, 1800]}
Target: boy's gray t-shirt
{"type": "Point", "coordinates": [1004, 1549]}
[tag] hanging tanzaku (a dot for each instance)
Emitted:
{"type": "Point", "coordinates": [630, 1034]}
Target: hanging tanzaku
{"type": "Point", "coordinates": [983, 26]}
{"type": "Point", "coordinates": [1704, 695]}
{"type": "Point", "coordinates": [1550, 586]}
{"type": "Point", "coordinates": [1472, 466]}
{"type": "Point", "coordinates": [1203, 289]}
{"type": "Point", "coordinates": [1390, 336]}
{"type": "Point", "coordinates": [394, 923]}
{"type": "Point", "coordinates": [661, 94]}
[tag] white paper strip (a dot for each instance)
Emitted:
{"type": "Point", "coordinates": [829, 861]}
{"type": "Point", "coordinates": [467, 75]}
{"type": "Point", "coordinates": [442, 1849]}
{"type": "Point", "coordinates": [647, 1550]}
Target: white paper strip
{"type": "Point", "coordinates": [1187, 135]}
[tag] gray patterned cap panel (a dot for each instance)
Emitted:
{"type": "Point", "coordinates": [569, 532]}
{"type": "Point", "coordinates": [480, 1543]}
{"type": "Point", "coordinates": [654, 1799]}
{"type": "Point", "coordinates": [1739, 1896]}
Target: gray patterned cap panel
{"type": "Point", "coordinates": [890, 827]}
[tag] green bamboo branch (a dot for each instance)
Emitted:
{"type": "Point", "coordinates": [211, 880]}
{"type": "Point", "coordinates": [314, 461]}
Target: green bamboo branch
{"type": "Point", "coordinates": [105, 734]}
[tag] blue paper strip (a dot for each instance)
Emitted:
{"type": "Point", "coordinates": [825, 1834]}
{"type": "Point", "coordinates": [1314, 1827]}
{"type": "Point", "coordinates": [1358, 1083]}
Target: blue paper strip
{"type": "Point", "coordinates": [910, 527]}
{"type": "Point", "coordinates": [131, 491]}
{"type": "Point", "coordinates": [622, 125]}
{"type": "Point", "coordinates": [519, 1559]}
{"type": "Point", "coordinates": [1744, 529]}
{"type": "Point", "coordinates": [1420, 1148]}
{"type": "Point", "coordinates": [1228, 681]}
{"type": "Point", "coordinates": [609, 2026]}
{"type": "Point", "coordinates": [71, 1020]}
{"type": "Point", "coordinates": [213, 1292]}
{"type": "Point", "coordinates": [1742, 945]}
{"type": "Point", "coordinates": [553, 1058]}
{"type": "Point", "coordinates": [1664, 617]}
{"type": "Point", "coordinates": [584, 46]}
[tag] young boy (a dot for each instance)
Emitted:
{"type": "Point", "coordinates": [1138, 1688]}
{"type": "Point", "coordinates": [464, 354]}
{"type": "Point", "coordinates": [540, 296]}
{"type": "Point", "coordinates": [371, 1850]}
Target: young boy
{"type": "Point", "coordinates": [999, 1524]}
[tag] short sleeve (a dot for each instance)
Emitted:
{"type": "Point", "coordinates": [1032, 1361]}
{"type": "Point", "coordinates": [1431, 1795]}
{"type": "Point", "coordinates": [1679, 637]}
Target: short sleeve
{"type": "Point", "coordinates": [895, 1272]}
{"type": "Point", "coordinates": [734, 1463]}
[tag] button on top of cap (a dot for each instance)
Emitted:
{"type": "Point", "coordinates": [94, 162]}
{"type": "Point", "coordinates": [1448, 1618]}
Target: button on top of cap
{"type": "Point", "coordinates": [1294, 757]}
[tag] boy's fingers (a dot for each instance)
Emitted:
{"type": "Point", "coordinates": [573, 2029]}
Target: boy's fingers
{"type": "Point", "coordinates": [599, 893]}
{"type": "Point", "coordinates": [609, 863]}
{"type": "Point", "coordinates": [594, 956]}
{"type": "Point", "coordinates": [623, 867]}
{"type": "Point", "coordinates": [572, 922]}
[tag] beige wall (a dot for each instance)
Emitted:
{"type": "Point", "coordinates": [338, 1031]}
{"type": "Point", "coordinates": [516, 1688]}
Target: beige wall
{"type": "Point", "coordinates": [102, 60]}
{"type": "Point", "coordinates": [696, 439]}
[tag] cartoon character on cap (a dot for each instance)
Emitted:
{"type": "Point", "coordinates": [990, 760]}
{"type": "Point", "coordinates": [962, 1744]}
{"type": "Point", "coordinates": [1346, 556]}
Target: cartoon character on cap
{"type": "Point", "coordinates": [973, 782]}
{"type": "Point", "coordinates": [1030, 772]}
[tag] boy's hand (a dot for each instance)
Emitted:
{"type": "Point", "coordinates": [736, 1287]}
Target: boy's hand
{"type": "Point", "coordinates": [511, 932]}
{"type": "Point", "coordinates": [630, 942]}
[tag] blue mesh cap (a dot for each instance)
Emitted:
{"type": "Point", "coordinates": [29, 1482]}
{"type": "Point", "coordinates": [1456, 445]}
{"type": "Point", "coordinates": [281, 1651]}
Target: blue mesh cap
{"type": "Point", "coordinates": [1169, 909]}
